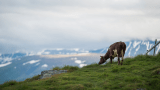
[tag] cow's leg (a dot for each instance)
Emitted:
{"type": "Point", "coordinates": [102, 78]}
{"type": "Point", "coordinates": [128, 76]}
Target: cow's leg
{"type": "Point", "coordinates": [111, 59]}
{"type": "Point", "coordinates": [122, 56]}
{"type": "Point", "coordinates": [121, 61]}
{"type": "Point", "coordinates": [118, 60]}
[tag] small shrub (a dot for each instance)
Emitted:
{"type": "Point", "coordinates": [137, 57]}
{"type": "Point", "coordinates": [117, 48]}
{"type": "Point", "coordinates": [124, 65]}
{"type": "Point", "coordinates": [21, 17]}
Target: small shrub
{"type": "Point", "coordinates": [49, 82]}
{"type": "Point", "coordinates": [70, 68]}
{"type": "Point", "coordinates": [154, 82]}
{"type": "Point", "coordinates": [127, 62]}
{"type": "Point", "coordinates": [8, 83]}
{"type": "Point", "coordinates": [23, 87]}
{"type": "Point", "coordinates": [154, 67]}
{"type": "Point", "coordinates": [158, 54]}
{"type": "Point", "coordinates": [115, 69]}
{"type": "Point", "coordinates": [132, 79]}
{"type": "Point", "coordinates": [156, 71]}
{"type": "Point", "coordinates": [88, 84]}
{"type": "Point", "coordinates": [56, 68]}
{"type": "Point", "coordinates": [122, 68]}
{"type": "Point", "coordinates": [33, 78]}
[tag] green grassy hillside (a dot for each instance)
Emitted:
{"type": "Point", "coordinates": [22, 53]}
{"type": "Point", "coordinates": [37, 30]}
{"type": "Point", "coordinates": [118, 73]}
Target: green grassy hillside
{"type": "Point", "coordinates": [135, 73]}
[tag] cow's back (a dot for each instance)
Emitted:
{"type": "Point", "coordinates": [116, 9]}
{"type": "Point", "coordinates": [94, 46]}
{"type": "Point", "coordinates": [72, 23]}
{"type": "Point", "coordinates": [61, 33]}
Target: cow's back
{"type": "Point", "coordinates": [119, 46]}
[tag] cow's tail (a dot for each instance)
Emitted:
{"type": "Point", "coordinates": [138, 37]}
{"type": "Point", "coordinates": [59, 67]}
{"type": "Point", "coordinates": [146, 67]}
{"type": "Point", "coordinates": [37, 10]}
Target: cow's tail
{"type": "Point", "coordinates": [123, 46]}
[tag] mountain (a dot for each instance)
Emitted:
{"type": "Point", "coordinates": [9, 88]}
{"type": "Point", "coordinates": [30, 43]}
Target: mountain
{"type": "Point", "coordinates": [21, 65]}
{"type": "Point", "coordinates": [4, 58]}
{"type": "Point", "coordinates": [9, 57]}
{"type": "Point", "coordinates": [61, 51]}
{"type": "Point", "coordinates": [25, 67]}
{"type": "Point", "coordinates": [133, 48]}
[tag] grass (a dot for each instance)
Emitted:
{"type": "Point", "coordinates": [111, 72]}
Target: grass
{"type": "Point", "coordinates": [67, 67]}
{"type": "Point", "coordinates": [135, 73]}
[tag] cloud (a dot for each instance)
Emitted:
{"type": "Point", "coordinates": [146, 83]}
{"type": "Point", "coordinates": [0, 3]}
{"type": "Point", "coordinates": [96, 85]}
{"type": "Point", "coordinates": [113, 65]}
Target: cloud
{"type": "Point", "coordinates": [35, 25]}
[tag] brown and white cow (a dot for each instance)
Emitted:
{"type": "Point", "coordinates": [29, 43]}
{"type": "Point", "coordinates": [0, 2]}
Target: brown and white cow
{"type": "Point", "coordinates": [115, 50]}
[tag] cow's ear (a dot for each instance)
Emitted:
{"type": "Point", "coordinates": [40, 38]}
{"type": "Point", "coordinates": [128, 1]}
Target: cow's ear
{"type": "Point", "coordinates": [101, 56]}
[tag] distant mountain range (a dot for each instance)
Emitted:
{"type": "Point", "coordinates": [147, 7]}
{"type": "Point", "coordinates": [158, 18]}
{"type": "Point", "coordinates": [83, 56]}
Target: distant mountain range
{"type": "Point", "coordinates": [4, 58]}
{"type": "Point", "coordinates": [134, 48]}
{"type": "Point", "coordinates": [21, 65]}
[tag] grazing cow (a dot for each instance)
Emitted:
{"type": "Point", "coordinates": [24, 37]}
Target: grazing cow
{"type": "Point", "coordinates": [115, 50]}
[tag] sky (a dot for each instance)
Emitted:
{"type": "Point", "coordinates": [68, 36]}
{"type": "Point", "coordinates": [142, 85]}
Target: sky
{"type": "Point", "coordinates": [32, 25]}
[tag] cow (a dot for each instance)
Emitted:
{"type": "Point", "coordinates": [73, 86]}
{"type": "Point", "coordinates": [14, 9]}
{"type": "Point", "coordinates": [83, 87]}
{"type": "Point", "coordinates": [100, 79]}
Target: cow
{"type": "Point", "coordinates": [115, 50]}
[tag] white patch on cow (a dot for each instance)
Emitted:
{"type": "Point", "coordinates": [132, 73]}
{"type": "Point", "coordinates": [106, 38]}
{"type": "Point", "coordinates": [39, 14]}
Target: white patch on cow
{"type": "Point", "coordinates": [115, 53]}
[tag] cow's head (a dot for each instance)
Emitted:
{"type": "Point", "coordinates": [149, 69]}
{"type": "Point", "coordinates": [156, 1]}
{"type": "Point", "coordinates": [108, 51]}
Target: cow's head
{"type": "Point", "coordinates": [101, 60]}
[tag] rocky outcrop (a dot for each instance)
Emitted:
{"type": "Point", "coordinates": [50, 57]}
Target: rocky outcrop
{"type": "Point", "coordinates": [48, 73]}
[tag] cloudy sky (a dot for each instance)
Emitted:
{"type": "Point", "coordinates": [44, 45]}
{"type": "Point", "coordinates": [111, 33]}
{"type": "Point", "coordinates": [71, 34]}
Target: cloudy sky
{"type": "Point", "coordinates": [32, 25]}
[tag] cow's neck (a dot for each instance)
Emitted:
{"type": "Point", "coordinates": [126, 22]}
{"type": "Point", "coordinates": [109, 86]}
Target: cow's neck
{"type": "Point", "coordinates": [106, 56]}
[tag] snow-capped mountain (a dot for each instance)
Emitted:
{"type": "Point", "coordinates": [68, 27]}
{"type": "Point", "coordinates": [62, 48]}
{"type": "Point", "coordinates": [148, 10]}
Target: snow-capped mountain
{"type": "Point", "coordinates": [8, 57]}
{"type": "Point", "coordinates": [21, 65]}
{"type": "Point", "coordinates": [28, 66]}
{"type": "Point", "coordinates": [134, 47]}
{"type": "Point", "coordinates": [61, 51]}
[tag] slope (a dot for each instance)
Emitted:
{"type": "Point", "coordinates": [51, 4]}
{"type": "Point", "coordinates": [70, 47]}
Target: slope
{"type": "Point", "coordinates": [135, 73]}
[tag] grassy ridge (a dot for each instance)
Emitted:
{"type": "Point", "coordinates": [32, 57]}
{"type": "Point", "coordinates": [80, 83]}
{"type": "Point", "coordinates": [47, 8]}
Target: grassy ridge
{"type": "Point", "coordinates": [139, 72]}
